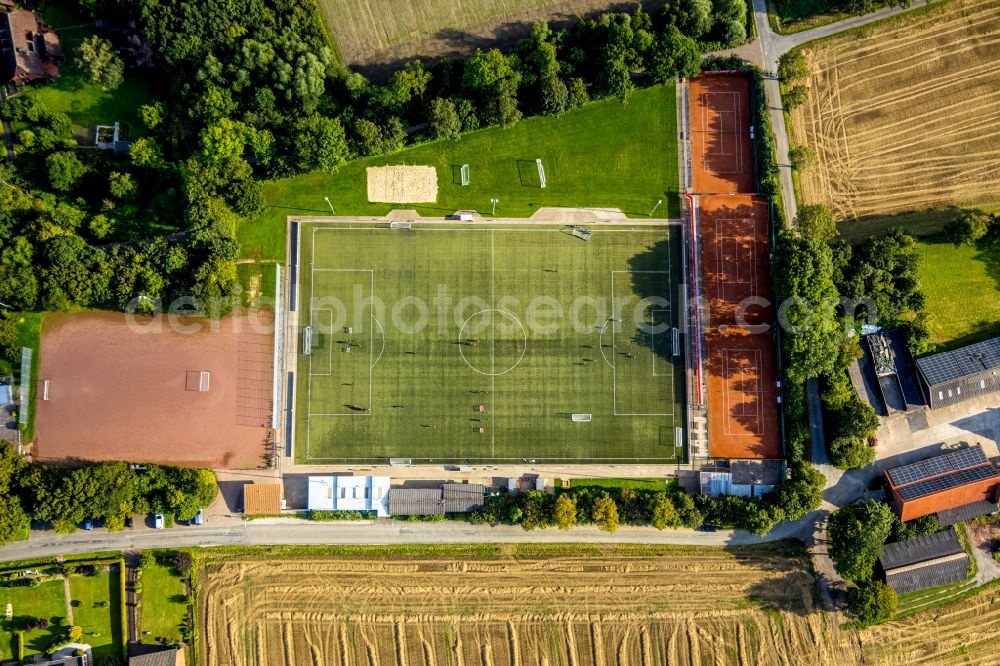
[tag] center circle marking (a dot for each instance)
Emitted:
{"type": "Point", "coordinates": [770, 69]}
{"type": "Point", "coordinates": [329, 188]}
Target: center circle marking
{"type": "Point", "coordinates": [494, 370]}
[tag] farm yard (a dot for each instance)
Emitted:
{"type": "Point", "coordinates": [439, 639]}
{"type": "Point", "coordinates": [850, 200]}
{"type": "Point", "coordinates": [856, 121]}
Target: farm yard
{"type": "Point", "coordinates": [905, 116]}
{"type": "Point", "coordinates": [522, 605]}
{"type": "Point", "coordinates": [376, 35]}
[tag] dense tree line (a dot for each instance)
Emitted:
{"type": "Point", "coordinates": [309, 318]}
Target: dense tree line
{"type": "Point", "coordinates": [63, 497]}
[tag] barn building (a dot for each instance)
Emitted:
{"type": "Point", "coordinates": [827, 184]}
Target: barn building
{"type": "Point", "coordinates": [925, 562]}
{"type": "Point", "coordinates": [951, 377]}
{"type": "Point", "coordinates": [449, 498]}
{"type": "Point", "coordinates": [950, 481]}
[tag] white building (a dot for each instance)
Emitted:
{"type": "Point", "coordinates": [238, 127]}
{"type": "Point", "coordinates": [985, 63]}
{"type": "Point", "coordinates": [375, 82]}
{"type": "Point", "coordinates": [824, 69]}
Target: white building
{"type": "Point", "coordinates": [349, 493]}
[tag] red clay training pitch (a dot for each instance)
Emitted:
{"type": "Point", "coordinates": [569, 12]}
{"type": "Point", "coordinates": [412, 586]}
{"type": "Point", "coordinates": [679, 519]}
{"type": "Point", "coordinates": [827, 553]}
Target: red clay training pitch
{"type": "Point", "coordinates": [162, 396]}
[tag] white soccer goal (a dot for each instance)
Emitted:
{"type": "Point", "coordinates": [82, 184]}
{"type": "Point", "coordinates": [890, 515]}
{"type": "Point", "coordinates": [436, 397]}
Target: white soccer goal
{"type": "Point", "coordinates": [583, 418]}
{"type": "Point", "coordinates": [307, 340]}
{"type": "Point", "coordinates": [401, 225]}
{"type": "Point", "coordinates": [466, 179]}
{"type": "Point", "coordinates": [45, 390]}
{"type": "Point", "coordinates": [541, 172]}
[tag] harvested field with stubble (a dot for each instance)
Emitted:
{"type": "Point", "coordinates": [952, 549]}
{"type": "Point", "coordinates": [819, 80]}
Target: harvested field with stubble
{"type": "Point", "coordinates": [905, 116]}
{"type": "Point", "coordinates": [583, 606]}
{"type": "Point", "coordinates": [377, 36]}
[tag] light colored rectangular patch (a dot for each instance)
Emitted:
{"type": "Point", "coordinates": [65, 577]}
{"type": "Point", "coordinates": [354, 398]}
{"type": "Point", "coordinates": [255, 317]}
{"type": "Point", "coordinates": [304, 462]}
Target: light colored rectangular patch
{"type": "Point", "coordinates": [402, 184]}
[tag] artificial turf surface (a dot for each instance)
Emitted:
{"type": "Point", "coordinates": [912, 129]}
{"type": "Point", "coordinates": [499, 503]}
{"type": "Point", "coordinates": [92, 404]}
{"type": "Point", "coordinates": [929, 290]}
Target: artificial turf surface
{"type": "Point", "coordinates": [513, 318]}
{"type": "Point", "coordinates": [601, 155]}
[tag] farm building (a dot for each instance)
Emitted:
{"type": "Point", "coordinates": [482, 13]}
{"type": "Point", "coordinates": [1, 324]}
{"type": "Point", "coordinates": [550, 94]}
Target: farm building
{"type": "Point", "coordinates": [349, 493]}
{"type": "Point", "coordinates": [161, 657]}
{"type": "Point", "coordinates": [30, 50]}
{"type": "Point", "coordinates": [449, 498]}
{"type": "Point", "coordinates": [262, 499]}
{"type": "Point", "coordinates": [745, 478]}
{"type": "Point", "coordinates": [925, 562]}
{"type": "Point", "coordinates": [951, 377]}
{"type": "Point", "coordinates": [942, 483]}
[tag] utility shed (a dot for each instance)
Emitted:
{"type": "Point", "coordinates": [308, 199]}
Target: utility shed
{"type": "Point", "coordinates": [925, 562]}
{"type": "Point", "coordinates": [966, 512]}
{"type": "Point", "coordinates": [463, 497]}
{"type": "Point", "coordinates": [943, 482]}
{"type": "Point", "coordinates": [951, 377]}
{"type": "Point", "coordinates": [415, 502]}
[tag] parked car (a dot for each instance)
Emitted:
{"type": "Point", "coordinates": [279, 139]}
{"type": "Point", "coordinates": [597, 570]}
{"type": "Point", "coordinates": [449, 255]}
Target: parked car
{"type": "Point", "coordinates": [199, 517]}
{"type": "Point", "coordinates": [158, 521]}
{"type": "Point", "coordinates": [88, 524]}
{"type": "Point", "coordinates": [129, 523]}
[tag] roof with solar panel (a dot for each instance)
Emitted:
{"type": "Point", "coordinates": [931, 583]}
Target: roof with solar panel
{"type": "Point", "coordinates": [965, 362]}
{"type": "Point", "coordinates": [940, 473]}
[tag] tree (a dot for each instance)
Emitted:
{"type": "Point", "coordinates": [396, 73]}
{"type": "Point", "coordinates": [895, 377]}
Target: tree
{"type": "Point", "coordinates": [802, 157]}
{"type": "Point", "coordinates": [605, 513]}
{"type": "Point", "coordinates": [802, 493]}
{"type": "Point", "coordinates": [145, 153]}
{"type": "Point", "coordinates": [75, 633]}
{"type": "Point", "coordinates": [851, 453]}
{"type": "Point", "coordinates": [662, 511]}
{"type": "Point", "coordinates": [792, 66]}
{"type": "Point", "coordinates": [223, 139]}
{"type": "Point", "coordinates": [675, 55]}
{"type": "Point", "coordinates": [375, 139]}
{"type": "Point", "coordinates": [99, 62]}
{"type": "Point", "coordinates": [319, 143]}
{"type": "Point", "coordinates": [817, 221]}
{"type": "Point", "coordinates": [803, 277]}
{"type": "Point", "coordinates": [855, 418]}
{"type": "Point", "coordinates": [555, 95]}
{"type": "Point", "coordinates": [14, 521]}
{"type": "Point", "coordinates": [65, 170]}
{"type": "Point", "coordinates": [968, 228]}
{"type": "Point", "coordinates": [578, 95]}
{"type": "Point", "coordinates": [121, 185]}
{"type": "Point", "coordinates": [796, 96]}
{"type": "Point", "coordinates": [444, 120]}
{"type": "Point", "coordinates": [483, 71]}
{"type": "Point", "coordinates": [872, 602]}
{"type": "Point", "coordinates": [616, 80]}
{"type": "Point", "coordinates": [412, 80]}
{"type": "Point", "coordinates": [913, 529]}
{"type": "Point", "coordinates": [565, 511]}
{"type": "Point", "coordinates": [693, 17]}
{"type": "Point", "coordinates": [856, 534]}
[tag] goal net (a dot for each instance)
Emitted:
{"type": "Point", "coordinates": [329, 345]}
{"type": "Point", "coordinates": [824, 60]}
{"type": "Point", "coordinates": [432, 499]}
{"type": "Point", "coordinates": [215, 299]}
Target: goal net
{"type": "Point", "coordinates": [307, 340]}
{"type": "Point", "coordinates": [465, 175]}
{"type": "Point", "coordinates": [582, 418]}
{"type": "Point", "coordinates": [541, 173]}
{"type": "Point", "coordinates": [401, 225]}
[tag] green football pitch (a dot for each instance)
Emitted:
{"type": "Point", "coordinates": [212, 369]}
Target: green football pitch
{"type": "Point", "coordinates": [487, 343]}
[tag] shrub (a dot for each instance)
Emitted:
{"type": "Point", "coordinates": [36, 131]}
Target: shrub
{"type": "Point", "coordinates": [872, 602]}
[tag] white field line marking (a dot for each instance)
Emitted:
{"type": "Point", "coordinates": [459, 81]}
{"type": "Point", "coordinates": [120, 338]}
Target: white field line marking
{"type": "Point", "coordinates": [493, 344]}
{"type": "Point", "coordinates": [754, 357]}
{"type": "Point", "coordinates": [614, 350]}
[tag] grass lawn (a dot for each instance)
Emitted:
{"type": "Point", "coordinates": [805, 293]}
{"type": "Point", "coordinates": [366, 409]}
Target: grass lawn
{"type": "Point", "coordinates": [637, 484]}
{"type": "Point", "coordinates": [164, 605]}
{"type": "Point", "coordinates": [962, 285]}
{"type": "Point", "coordinates": [602, 155]}
{"type": "Point", "coordinates": [47, 601]}
{"type": "Point", "coordinates": [87, 104]}
{"type": "Point", "coordinates": [102, 627]}
{"type": "Point", "coordinates": [484, 341]}
{"type": "Point", "coordinates": [788, 16]}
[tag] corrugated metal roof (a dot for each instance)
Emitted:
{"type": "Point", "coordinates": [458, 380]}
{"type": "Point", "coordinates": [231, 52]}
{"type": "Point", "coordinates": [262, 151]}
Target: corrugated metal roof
{"type": "Point", "coordinates": [960, 514]}
{"type": "Point", "coordinates": [960, 363]}
{"type": "Point", "coordinates": [463, 497]}
{"type": "Point", "coordinates": [262, 499]}
{"type": "Point", "coordinates": [932, 575]}
{"type": "Point", "coordinates": [921, 549]}
{"type": "Point", "coordinates": [415, 502]}
{"type": "Point", "coordinates": [762, 472]}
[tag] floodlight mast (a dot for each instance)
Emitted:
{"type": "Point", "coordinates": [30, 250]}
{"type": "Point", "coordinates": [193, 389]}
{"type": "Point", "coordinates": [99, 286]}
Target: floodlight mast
{"type": "Point", "coordinates": [330, 205]}
{"type": "Point", "coordinates": [658, 202]}
{"type": "Point", "coordinates": [494, 202]}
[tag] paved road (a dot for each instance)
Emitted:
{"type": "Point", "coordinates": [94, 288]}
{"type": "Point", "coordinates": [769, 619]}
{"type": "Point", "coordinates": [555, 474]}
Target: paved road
{"type": "Point", "coordinates": [772, 46]}
{"type": "Point", "coordinates": [294, 531]}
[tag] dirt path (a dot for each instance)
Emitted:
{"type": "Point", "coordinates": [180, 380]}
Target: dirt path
{"type": "Point", "coordinates": [69, 600]}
